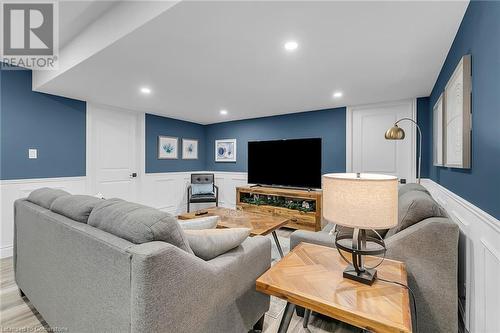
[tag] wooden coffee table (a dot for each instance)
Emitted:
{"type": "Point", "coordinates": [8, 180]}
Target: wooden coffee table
{"type": "Point", "coordinates": [260, 224]}
{"type": "Point", "coordinates": [311, 276]}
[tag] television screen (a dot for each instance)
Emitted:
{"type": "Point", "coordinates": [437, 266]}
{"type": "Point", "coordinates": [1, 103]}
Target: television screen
{"type": "Point", "coordinates": [293, 163]}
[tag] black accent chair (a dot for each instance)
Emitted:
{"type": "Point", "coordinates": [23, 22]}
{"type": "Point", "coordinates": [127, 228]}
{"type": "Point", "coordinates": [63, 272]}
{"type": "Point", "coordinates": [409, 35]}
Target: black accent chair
{"type": "Point", "coordinates": [203, 178]}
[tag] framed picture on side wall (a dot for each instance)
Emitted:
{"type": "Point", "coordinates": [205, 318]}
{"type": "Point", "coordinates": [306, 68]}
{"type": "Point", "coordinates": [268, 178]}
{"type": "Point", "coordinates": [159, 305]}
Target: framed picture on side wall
{"type": "Point", "coordinates": [167, 148]}
{"type": "Point", "coordinates": [437, 135]}
{"type": "Point", "coordinates": [189, 149]}
{"type": "Point", "coordinates": [457, 116]}
{"type": "Point", "coordinates": [225, 150]}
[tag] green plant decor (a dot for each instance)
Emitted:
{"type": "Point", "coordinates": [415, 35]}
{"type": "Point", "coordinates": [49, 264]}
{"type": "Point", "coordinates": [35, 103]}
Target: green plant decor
{"type": "Point", "coordinates": [277, 201]}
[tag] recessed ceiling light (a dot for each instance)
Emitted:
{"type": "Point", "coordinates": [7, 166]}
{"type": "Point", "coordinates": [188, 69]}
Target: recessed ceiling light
{"type": "Point", "coordinates": [337, 94]}
{"type": "Point", "coordinates": [291, 45]}
{"type": "Point", "coordinates": [223, 112]}
{"type": "Point", "coordinates": [145, 90]}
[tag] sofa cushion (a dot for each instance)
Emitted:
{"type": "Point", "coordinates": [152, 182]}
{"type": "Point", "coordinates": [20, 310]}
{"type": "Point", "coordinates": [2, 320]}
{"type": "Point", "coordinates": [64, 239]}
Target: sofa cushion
{"type": "Point", "coordinates": [207, 222]}
{"type": "Point", "coordinates": [45, 196]}
{"type": "Point", "coordinates": [76, 207]}
{"type": "Point", "coordinates": [197, 189]}
{"type": "Point", "coordinates": [210, 243]}
{"type": "Point", "coordinates": [137, 223]}
{"type": "Point", "coordinates": [413, 207]}
{"type": "Point", "coordinates": [411, 187]}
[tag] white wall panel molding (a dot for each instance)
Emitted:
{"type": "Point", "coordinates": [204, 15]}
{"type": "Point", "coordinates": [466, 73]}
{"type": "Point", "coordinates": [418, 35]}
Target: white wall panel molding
{"type": "Point", "coordinates": [11, 190]}
{"type": "Point", "coordinates": [166, 191]}
{"type": "Point", "coordinates": [479, 259]}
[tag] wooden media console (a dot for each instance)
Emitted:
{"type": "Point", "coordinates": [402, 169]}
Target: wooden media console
{"type": "Point", "coordinates": [302, 207]}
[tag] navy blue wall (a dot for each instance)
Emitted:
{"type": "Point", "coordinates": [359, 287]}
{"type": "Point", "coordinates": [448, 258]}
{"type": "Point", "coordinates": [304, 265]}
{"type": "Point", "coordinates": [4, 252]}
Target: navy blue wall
{"type": "Point", "coordinates": [425, 127]}
{"type": "Point", "coordinates": [326, 124]}
{"type": "Point", "coordinates": [156, 125]}
{"type": "Point", "coordinates": [54, 125]}
{"type": "Point", "coordinates": [479, 35]}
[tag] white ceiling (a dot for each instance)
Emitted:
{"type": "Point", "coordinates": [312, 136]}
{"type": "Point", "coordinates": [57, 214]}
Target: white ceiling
{"type": "Point", "coordinates": [75, 16]}
{"type": "Point", "coordinates": [200, 57]}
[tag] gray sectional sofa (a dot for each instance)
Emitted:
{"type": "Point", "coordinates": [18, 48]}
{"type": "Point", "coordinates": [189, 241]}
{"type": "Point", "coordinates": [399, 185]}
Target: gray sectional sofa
{"type": "Point", "coordinates": [427, 241]}
{"type": "Point", "coordinates": [85, 279]}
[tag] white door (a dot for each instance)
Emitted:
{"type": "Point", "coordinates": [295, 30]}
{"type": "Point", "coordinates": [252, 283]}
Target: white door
{"type": "Point", "coordinates": [369, 151]}
{"type": "Point", "coordinates": [113, 152]}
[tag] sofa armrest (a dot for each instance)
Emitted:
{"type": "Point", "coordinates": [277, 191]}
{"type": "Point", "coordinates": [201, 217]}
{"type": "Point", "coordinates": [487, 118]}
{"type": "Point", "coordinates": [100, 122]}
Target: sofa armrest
{"type": "Point", "coordinates": [320, 238]}
{"type": "Point", "coordinates": [241, 266]}
{"type": "Point", "coordinates": [169, 283]}
{"type": "Point", "coordinates": [430, 251]}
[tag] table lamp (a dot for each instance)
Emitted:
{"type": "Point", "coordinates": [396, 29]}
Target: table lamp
{"type": "Point", "coordinates": [360, 201]}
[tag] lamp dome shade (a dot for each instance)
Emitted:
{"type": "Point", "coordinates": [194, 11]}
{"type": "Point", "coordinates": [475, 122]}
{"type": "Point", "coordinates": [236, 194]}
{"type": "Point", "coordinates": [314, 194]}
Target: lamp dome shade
{"type": "Point", "coordinates": [369, 201]}
{"type": "Point", "coordinates": [395, 133]}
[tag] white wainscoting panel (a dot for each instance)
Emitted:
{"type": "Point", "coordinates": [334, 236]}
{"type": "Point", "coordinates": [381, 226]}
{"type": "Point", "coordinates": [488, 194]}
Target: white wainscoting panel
{"type": "Point", "coordinates": [11, 190]}
{"type": "Point", "coordinates": [227, 183]}
{"type": "Point", "coordinates": [165, 191]}
{"type": "Point", "coordinates": [479, 259]}
{"type": "Point", "coordinates": [168, 191]}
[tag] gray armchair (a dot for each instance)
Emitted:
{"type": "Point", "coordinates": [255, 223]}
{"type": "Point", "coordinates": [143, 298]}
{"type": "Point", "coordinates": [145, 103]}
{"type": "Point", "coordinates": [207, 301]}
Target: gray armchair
{"type": "Point", "coordinates": [430, 250]}
{"type": "Point", "coordinates": [205, 196]}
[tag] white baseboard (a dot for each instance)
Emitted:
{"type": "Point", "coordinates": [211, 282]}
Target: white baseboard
{"type": "Point", "coordinates": [479, 259]}
{"type": "Point", "coordinates": [6, 251]}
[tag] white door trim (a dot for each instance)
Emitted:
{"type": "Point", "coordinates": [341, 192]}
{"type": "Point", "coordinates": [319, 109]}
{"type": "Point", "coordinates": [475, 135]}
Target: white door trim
{"type": "Point", "coordinates": [412, 136]}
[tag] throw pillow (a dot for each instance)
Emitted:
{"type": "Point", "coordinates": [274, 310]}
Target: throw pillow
{"type": "Point", "coordinates": [137, 223]}
{"type": "Point", "coordinates": [411, 187]}
{"type": "Point", "coordinates": [76, 207]}
{"type": "Point", "coordinates": [45, 196]}
{"type": "Point", "coordinates": [208, 222]}
{"type": "Point", "coordinates": [198, 189]}
{"type": "Point", "coordinates": [210, 243]}
{"type": "Point", "coordinates": [415, 206]}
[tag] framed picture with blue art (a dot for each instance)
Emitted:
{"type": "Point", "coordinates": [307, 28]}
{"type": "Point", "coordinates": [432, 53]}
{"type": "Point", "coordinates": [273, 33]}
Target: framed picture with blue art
{"type": "Point", "coordinates": [225, 150]}
{"type": "Point", "coordinates": [189, 149]}
{"type": "Point", "coordinates": [167, 147]}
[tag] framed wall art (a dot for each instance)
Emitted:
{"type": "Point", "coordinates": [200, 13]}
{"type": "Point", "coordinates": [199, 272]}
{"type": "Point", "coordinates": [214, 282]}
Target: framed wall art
{"type": "Point", "coordinates": [437, 129]}
{"type": "Point", "coordinates": [457, 116]}
{"type": "Point", "coordinates": [189, 149]}
{"type": "Point", "coordinates": [225, 150]}
{"type": "Point", "coordinates": [167, 148]}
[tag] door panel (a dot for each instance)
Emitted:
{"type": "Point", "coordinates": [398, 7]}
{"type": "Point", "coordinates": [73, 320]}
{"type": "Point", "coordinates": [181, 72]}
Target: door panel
{"type": "Point", "coordinates": [371, 152]}
{"type": "Point", "coordinates": [114, 153]}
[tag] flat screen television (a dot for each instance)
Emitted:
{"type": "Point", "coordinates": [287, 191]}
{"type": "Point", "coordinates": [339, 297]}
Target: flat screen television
{"type": "Point", "coordinates": [291, 163]}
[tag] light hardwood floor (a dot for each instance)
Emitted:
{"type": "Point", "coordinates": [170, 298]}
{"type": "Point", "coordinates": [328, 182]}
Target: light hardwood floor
{"type": "Point", "coordinates": [18, 315]}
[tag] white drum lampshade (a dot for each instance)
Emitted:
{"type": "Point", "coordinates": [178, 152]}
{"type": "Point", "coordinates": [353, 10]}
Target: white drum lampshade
{"type": "Point", "coordinates": [363, 201]}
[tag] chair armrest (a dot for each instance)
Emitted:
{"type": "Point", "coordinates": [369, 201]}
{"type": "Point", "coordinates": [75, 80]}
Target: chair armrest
{"type": "Point", "coordinates": [168, 283]}
{"type": "Point", "coordinates": [216, 193]}
{"type": "Point", "coordinates": [430, 251]}
{"type": "Point", "coordinates": [320, 238]}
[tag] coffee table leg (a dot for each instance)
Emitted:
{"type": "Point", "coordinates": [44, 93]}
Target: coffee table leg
{"type": "Point", "coordinates": [277, 243]}
{"type": "Point", "coordinates": [287, 317]}
{"type": "Point", "coordinates": [307, 314]}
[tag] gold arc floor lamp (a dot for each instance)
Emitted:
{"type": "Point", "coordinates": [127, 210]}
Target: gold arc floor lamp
{"type": "Point", "coordinates": [397, 133]}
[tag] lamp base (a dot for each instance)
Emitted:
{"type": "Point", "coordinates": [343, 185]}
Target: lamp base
{"type": "Point", "coordinates": [366, 277]}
